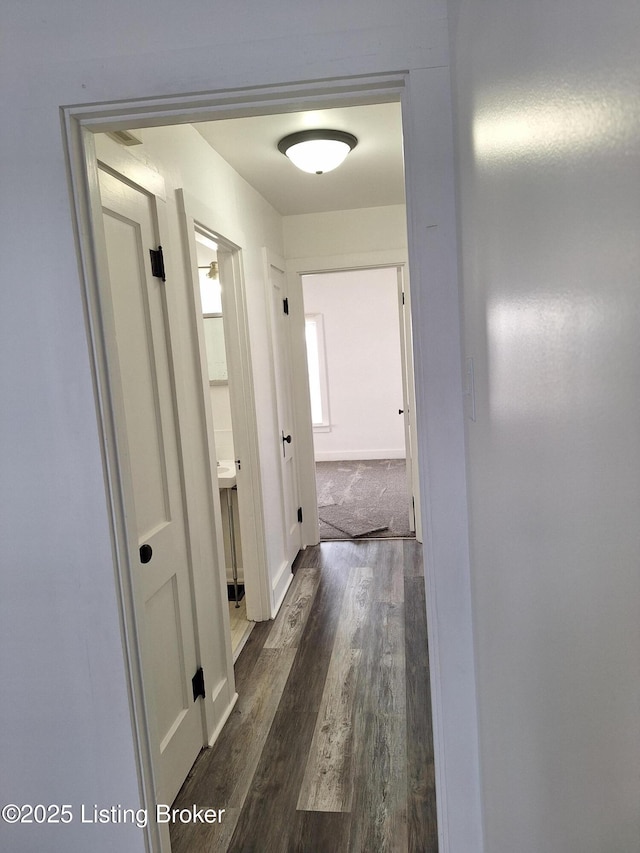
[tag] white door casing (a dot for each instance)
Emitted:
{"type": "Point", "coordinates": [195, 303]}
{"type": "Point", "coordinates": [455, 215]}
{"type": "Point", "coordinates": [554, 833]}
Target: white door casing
{"type": "Point", "coordinates": [283, 385]}
{"type": "Point", "coordinates": [299, 267]}
{"type": "Point", "coordinates": [142, 320]}
{"type": "Point", "coordinates": [425, 94]}
{"type": "Point", "coordinates": [196, 215]}
{"type": "Point", "coordinates": [409, 401]}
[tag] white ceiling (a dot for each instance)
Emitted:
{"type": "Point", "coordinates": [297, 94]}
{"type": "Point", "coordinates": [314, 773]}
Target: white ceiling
{"type": "Point", "coordinates": [371, 176]}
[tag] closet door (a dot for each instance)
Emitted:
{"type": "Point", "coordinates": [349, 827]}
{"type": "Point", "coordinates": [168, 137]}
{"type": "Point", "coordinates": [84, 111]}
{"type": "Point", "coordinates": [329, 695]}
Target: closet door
{"type": "Point", "coordinates": [163, 589]}
{"type": "Point", "coordinates": [281, 351]}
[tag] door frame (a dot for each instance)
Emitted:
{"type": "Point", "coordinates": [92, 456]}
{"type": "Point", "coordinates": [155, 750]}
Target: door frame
{"type": "Point", "coordinates": [425, 97]}
{"type": "Point", "coordinates": [271, 260]}
{"type": "Point", "coordinates": [220, 696]}
{"type": "Point", "coordinates": [193, 214]}
{"type": "Point", "coordinates": [392, 259]}
{"type": "Point", "coordinates": [409, 389]}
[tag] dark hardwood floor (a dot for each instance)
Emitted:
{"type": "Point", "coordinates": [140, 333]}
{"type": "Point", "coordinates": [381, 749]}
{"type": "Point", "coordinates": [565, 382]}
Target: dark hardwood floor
{"type": "Point", "coordinates": [329, 747]}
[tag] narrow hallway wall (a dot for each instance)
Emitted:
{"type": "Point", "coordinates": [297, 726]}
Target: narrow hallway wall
{"type": "Point", "coordinates": [548, 126]}
{"type": "Point", "coordinates": [61, 621]}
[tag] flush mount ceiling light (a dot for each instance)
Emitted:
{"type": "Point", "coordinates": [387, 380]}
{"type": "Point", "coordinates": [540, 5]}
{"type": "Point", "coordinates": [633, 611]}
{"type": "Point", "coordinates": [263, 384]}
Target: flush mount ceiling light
{"type": "Point", "coordinates": [317, 151]}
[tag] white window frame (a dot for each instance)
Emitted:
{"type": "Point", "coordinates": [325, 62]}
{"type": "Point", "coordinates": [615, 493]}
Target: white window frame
{"type": "Point", "coordinates": [323, 425]}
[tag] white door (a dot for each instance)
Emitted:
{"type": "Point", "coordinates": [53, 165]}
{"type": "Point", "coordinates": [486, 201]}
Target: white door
{"type": "Point", "coordinates": [280, 340]}
{"type": "Point", "coordinates": [409, 401]}
{"type": "Point", "coordinates": [142, 320]}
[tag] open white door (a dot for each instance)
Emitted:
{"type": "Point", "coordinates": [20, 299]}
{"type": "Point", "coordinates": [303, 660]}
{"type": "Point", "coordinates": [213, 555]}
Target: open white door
{"type": "Point", "coordinates": [163, 586]}
{"type": "Point", "coordinates": [195, 216]}
{"type": "Point", "coordinates": [281, 350]}
{"type": "Point", "coordinates": [409, 402]}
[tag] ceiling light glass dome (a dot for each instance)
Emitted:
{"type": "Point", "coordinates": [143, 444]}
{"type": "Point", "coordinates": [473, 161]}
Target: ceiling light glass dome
{"type": "Point", "coordinates": [317, 151]}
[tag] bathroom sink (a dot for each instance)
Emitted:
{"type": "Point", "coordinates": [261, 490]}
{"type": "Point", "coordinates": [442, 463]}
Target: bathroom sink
{"type": "Point", "coordinates": [226, 474]}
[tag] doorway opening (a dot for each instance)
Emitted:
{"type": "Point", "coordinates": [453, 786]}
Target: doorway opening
{"type": "Point", "coordinates": [221, 386]}
{"type": "Point", "coordinates": [443, 470]}
{"type": "Point", "coordinates": [359, 403]}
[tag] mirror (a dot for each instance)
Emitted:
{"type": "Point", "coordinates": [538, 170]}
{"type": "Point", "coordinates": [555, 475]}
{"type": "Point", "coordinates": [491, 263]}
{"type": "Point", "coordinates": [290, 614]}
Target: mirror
{"type": "Point", "coordinates": [216, 354]}
{"type": "Point", "coordinates": [211, 299]}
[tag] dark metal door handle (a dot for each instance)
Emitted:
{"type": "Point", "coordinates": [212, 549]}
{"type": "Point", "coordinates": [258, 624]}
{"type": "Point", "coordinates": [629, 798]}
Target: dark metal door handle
{"type": "Point", "coordinates": [401, 411]}
{"type": "Point", "coordinates": [146, 552]}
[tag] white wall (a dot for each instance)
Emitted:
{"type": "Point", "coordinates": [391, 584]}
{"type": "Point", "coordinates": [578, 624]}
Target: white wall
{"type": "Point", "coordinates": [346, 232]}
{"type": "Point", "coordinates": [548, 133]}
{"type": "Point", "coordinates": [68, 738]}
{"type": "Point", "coordinates": [359, 310]}
{"type": "Point", "coordinates": [223, 427]}
{"type": "Point", "coordinates": [547, 115]}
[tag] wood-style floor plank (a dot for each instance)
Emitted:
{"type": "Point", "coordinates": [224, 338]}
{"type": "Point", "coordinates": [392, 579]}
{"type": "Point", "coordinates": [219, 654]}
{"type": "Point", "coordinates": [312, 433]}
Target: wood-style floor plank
{"type": "Point", "coordinates": [355, 610]}
{"type": "Point", "coordinates": [412, 559]}
{"type": "Point", "coordinates": [379, 807]}
{"type": "Point", "coordinates": [271, 802]}
{"type": "Point", "coordinates": [384, 687]}
{"type": "Point", "coordinates": [330, 745]}
{"type": "Point", "coordinates": [421, 794]}
{"type": "Point", "coordinates": [238, 750]}
{"type": "Point", "coordinates": [318, 831]}
{"type": "Point", "coordinates": [327, 784]}
{"type": "Point", "coordinates": [243, 668]}
{"type": "Point", "coordinates": [290, 621]}
{"type": "Point", "coordinates": [309, 671]}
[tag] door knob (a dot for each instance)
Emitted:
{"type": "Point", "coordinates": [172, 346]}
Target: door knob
{"type": "Point", "coordinates": [401, 411]}
{"type": "Point", "coordinates": [286, 438]}
{"type": "Point", "coordinates": [146, 552]}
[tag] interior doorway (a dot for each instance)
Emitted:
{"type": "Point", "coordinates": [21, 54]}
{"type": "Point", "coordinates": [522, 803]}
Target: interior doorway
{"type": "Point", "coordinates": [359, 403]}
{"type": "Point", "coordinates": [432, 241]}
{"type": "Point", "coordinates": [221, 381]}
{"type": "Point", "coordinates": [229, 409]}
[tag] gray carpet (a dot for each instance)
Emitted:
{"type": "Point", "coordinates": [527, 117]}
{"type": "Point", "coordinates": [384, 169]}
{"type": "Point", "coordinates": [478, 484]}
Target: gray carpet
{"type": "Point", "coordinates": [363, 499]}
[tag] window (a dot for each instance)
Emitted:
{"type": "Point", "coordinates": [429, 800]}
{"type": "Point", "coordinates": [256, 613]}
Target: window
{"type": "Point", "coordinates": [316, 362]}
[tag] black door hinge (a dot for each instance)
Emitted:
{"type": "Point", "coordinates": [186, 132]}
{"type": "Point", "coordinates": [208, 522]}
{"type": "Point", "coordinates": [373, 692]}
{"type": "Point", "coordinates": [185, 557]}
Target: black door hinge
{"type": "Point", "coordinates": [285, 304]}
{"type": "Point", "coordinates": [157, 263]}
{"type": "Point", "coordinates": [198, 684]}
{"type": "Point", "coordinates": [299, 515]}
{"type": "Point", "coordinates": [403, 297]}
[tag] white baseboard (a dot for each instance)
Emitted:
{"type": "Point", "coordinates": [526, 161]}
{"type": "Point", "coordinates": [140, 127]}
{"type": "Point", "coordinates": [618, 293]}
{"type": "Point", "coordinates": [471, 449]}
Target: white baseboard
{"type": "Point", "coordinates": [355, 455]}
{"type": "Point", "coordinates": [223, 719]}
{"type": "Point", "coordinates": [280, 586]}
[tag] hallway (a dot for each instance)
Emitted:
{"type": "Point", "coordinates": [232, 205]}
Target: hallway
{"type": "Point", "coordinates": [329, 747]}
